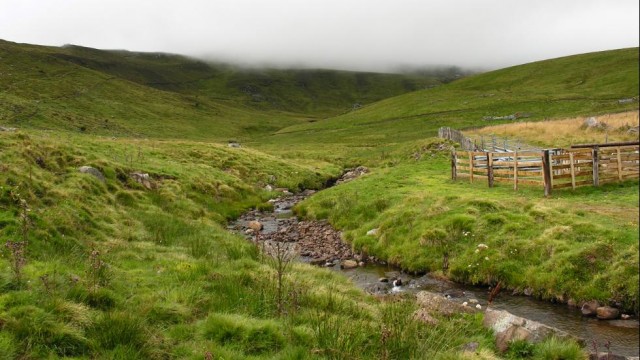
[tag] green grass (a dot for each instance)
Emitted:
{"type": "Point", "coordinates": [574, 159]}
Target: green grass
{"type": "Point", "coordinates": [580, 244]}
{"type": "Point", "coordinates": [119, 93]}
{"type": "Point", "coordinates": [115, 270]}
{"type": "Point", "coordinates": [581, 85]}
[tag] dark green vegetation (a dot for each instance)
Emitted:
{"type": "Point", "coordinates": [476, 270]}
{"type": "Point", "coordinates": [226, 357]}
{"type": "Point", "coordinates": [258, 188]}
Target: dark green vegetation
{"type": "Point", "coordinates": [114, 269]}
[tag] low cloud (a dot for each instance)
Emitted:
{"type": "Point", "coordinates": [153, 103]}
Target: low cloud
{"type": "Point", "coordinates": [371, 35]}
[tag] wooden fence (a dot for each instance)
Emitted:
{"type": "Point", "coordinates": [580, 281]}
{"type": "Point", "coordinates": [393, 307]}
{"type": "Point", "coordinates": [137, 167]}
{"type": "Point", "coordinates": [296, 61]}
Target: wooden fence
{"type": "Point", "coordinates": [457, 136]}
{"type": "Point", "coordinates": [552, 169]}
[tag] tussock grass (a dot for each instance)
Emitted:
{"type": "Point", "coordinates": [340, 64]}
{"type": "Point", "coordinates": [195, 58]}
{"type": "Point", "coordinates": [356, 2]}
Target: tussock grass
{"type": "Point", "coordinates": [580, 244]}
{"type": "Point", "coordinates": [566, 132]}
{"type": "Point", "coordinates": [116, 270]}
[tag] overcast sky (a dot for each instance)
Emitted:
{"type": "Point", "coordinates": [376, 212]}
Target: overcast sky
{"type": "Point", "coordinates": [349, 34]}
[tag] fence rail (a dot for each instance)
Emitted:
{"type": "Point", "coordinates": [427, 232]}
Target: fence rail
{"type": "Point", "coordinates": [457, 136]}
{"type": "Point", "coordinates": [489, 143]}
{"type": "Point", "coordinates": [552, 169]}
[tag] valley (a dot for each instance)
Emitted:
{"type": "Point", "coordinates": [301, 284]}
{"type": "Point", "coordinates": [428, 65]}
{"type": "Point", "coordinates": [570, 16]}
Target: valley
{"type": "Point", "coordinates": [133, 259]}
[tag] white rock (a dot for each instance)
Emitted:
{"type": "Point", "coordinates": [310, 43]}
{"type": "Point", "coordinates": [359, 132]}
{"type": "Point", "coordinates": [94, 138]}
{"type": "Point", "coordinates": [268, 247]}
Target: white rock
{"type": "Point", "coordinates": [372, 232]}
{"type": "Point", "coordinates": [591, 122]}
{"type": "Point", "coordinates": [478, 306]}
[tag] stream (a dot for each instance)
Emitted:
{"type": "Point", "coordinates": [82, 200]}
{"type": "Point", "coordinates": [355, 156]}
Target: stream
{"type": "Point", "coordinates": [321, 245]}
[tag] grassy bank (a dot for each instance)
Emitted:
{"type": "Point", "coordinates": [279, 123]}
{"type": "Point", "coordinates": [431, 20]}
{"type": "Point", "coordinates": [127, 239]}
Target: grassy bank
{"type": "Point", "coordinates": [579, 245]}
{"type": "Point", "coordinates": [114, 269]}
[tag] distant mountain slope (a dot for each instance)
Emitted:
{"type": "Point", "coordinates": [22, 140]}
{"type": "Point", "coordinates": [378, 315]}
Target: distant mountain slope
{"type": "Point", "coordinates": [310, 91]}
{"type": "Point", "coordinates": [121, 93]}
{"type": "Point", "coordinates": [587, 84]}
{"type": "Point", "coordinates": [39, 89]}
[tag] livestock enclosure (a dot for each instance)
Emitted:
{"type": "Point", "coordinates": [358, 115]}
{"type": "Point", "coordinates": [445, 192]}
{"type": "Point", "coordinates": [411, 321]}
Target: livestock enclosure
{"type": "Point", "coordinates": [552, 169]}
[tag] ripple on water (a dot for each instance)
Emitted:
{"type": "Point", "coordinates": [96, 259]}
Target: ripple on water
{"type": "Point", "coordinates": [623, 334]}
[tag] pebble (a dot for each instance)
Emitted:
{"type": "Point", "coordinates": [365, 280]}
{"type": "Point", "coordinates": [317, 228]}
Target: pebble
{"type": "Point", "coordinates": [316, 240]}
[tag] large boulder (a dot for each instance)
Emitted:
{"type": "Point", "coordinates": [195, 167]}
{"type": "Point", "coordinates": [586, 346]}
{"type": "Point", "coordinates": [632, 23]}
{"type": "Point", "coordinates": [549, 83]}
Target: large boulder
{"type": "Point", "coordinates": [143, 179]}
{"type": "Point", "coordinates": [351, 174]}
{"type": "Point", "coordinates": [590, 308]}
{"type": "Point", "coordinates": [607, 313]}
{"type": "Point", "coordinates": [608, 356]}
{"type": "Point", "coordinates": [591, 122]}
{"type": "Point", "coordinates": [349, 264]}
{"type": "Point", "coordinates": [372, 232]}
{"type": "Point", "coordinates": [255, 225]}
{"type": "Point", "coordinates": [423, 315]}
{"type": "Point", "coordinates": [509, 328]}
{"type": "Point", "coordinates": [438, 304]}
{"type": "Point", "coordinates": [92, 171]}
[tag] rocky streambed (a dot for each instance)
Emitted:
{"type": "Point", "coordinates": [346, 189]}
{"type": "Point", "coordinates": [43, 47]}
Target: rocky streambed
{"type": "Point", "coordinates": [318, 243]}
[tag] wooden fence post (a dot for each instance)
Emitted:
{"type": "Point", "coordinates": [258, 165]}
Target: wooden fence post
{"type": "Point", "coordinates": [471, 166]}
{"type": "Point", "coordinates": [515, 171]}
{"type": "Point", "coordinates": [546, 172]}
{"type": "Point", "coordinates": [596, 165]}
{"type": "Point", "coordinates": [490, 168]}
{"type": "Point", "coordinates": [573, 171]}
{"type": "Point", "coordinates": [619, 164]}
{"type": "Point", "coordinates": [454, 164]}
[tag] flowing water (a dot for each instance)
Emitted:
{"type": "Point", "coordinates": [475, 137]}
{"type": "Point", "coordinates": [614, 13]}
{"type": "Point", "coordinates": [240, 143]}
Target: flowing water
{"type": "Point", "coordinates": [623, 335]}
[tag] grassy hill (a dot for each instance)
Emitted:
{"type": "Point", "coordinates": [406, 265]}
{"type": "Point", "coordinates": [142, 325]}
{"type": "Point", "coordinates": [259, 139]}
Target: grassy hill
{"type": "Point", "coordinates": [578, 245]}
{"type": "Point", "coordinates": [112, 268]}
{"type": "Point", "coordinates": [119, 93]}
{"type": "Point", "coordinates": [313, 92]}
{"type": "Point", "coordinates": [580, 85]}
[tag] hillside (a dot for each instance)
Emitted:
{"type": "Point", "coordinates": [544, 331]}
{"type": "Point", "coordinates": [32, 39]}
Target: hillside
{"type": "Point", "coordinates": [313, 92]}
{"type": "Point", "coordinates": [580, 85]}
{"type": "Point", "coordinates": [118, 93]}
{"type": "Point", "coordinates": [577, 245]}
{"type": "Point", "coordinates": [111, 266]}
